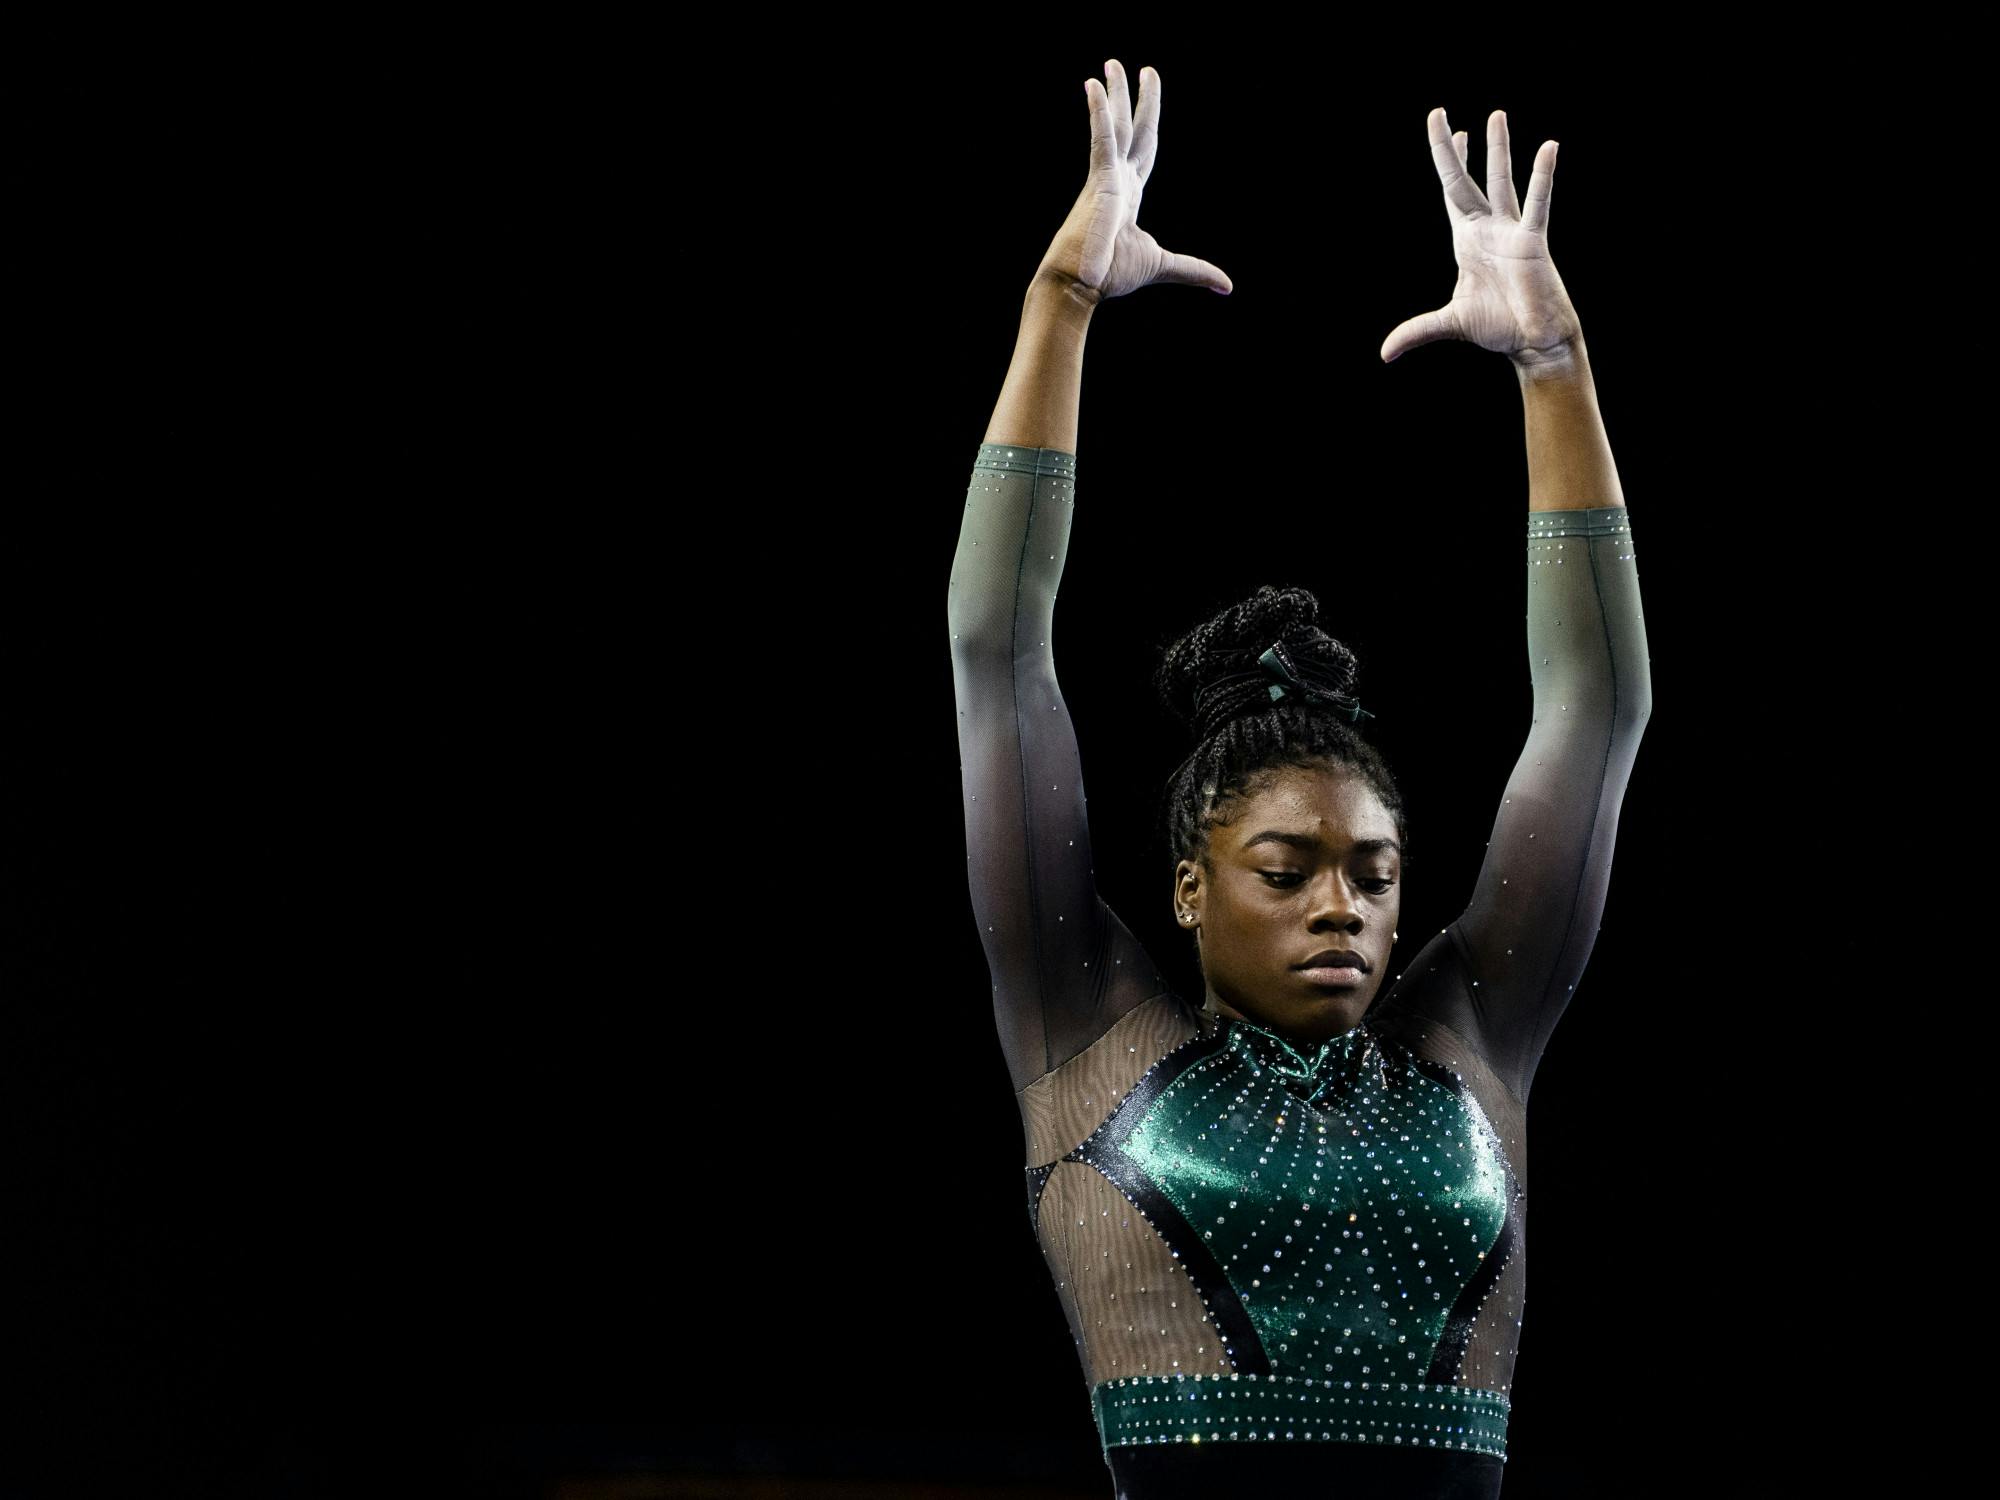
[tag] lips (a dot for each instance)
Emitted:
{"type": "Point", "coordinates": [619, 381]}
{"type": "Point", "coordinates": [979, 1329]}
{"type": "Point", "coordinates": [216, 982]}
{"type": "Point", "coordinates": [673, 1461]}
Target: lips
{"type": "Point", "coordinates": [1335, 958]}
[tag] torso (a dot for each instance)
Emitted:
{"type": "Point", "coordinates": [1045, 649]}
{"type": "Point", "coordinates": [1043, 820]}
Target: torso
{"type": "Point", "coordinates": [1256, 1242]}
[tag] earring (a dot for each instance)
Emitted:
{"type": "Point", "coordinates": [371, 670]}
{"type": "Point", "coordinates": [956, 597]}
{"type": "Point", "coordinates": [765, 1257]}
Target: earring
{"type": "Point", "coordinates": [1394, 935]}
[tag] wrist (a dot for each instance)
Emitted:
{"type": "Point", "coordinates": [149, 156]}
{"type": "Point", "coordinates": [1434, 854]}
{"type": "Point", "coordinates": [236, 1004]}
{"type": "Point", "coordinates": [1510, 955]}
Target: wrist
{"type": "Point", "coordinates": [1565, 361]}
{"type": "Point", "coordinates": [1059, 294]}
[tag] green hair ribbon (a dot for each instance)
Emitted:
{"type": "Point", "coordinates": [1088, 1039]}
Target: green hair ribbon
{"type": "Point", "coordinates": [1289, 681]}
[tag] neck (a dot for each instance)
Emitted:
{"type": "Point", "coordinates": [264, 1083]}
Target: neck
{"type": "Point", "coordinates": [1308, 1035]}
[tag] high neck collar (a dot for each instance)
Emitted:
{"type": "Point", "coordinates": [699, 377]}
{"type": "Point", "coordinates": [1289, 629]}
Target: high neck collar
{"type": "Point", "coordinates": [1294, 1059]}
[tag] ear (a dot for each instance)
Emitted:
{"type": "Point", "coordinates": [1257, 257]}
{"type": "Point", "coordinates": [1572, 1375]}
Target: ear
{"type": "Point", "coordinates": [1187, 894]}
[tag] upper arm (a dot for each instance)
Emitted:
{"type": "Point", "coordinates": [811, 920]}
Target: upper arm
{"type": "Point", "coordinates": [1532, 921]}
{"type": "Point", "coordinates": [1063, 966]}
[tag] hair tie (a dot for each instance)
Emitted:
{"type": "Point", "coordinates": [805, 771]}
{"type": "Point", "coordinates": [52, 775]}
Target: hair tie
{"type": "Point", "coordinates": [1273, 661]}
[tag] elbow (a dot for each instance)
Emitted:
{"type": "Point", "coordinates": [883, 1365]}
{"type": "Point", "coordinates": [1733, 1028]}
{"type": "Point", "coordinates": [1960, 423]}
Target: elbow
{"type": "Point", "coordinates": [982, 622]}
{"type": "Point", "coordinates": [960, 618]}
{"type": "Point", "coordinates": [976, 632]}
{"type": "Point", "coordinates": [1635, 707]}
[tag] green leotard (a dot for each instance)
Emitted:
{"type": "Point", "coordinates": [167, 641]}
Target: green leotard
{"type": "Point", "coordinates": [1280, 1262]}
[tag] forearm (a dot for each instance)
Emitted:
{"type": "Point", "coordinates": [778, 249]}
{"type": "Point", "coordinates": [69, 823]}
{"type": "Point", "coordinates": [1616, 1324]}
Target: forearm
{"type": "Point", "coordinates": [1039, 398]}
{"type": "Point", "coordinates": [1569, 457]}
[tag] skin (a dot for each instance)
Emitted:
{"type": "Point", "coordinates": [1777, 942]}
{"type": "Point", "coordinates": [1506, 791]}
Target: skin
{"type": "Point", "coordinates": [1508, 299]}
{"type": "Point", "coordinates": [1259, 908]}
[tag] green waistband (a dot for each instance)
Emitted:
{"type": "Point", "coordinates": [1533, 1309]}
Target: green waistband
{"type": "Point", "coordinates": [1297, 1408]}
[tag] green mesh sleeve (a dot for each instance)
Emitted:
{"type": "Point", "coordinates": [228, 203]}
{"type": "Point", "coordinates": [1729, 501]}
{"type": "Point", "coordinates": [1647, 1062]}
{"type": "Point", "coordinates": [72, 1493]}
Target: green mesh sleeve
{"type": "Point", "coordinates": [1516, 954]}
{"type": "Point", "coordinates": [1063, 966]}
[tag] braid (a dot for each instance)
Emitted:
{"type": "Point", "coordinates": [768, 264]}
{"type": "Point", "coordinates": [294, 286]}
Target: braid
{"type": "Point", "coordinates": [1210, 680]}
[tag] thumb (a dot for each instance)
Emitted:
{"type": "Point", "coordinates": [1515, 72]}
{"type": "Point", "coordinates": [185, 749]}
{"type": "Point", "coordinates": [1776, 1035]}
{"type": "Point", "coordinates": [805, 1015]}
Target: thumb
{"type": "Point", "coordinates": [1191, 270]}
{"type": "Point", "coordinates": [1424, 328]}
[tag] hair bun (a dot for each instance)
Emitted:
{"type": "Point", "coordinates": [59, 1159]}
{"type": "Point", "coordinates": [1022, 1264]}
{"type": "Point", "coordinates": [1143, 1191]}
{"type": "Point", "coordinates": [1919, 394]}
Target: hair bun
{"type": "Point", "coordinates": [1217, 680]}
{"type": "Point", "coordinates": [1214, 672]}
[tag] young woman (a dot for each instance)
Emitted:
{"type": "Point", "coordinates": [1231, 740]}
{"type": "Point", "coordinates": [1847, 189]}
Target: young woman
{"type": "Point", "coordinates": [1287, 1223]}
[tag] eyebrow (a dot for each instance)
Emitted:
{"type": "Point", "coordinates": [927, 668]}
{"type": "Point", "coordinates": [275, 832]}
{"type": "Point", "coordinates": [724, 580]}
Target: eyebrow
{"type": "Point", "coordinates": [1310, 841]}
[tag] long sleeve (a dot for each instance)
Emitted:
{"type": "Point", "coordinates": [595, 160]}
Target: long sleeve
{"type": "Point", "coordinates": [1063, 966]}
{"type": "Point", "coordinates": [1528, 932]}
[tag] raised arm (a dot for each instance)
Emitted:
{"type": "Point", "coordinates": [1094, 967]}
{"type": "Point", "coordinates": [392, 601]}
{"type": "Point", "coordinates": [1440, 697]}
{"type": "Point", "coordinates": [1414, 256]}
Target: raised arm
{"type": "Point", "coordinates": [1529, 929]}
{"type": "Point", "coordinates": [1532, 921]}
{"type": "Point", "coordinates": [1064, 967]}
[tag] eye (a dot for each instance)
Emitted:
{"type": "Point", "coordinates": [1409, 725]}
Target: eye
{"type": "Point", "coordinates": [1286, 879]}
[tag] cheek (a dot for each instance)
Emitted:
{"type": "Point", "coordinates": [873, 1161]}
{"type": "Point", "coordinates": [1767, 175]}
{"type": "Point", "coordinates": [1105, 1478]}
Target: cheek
{"type": "Point", "coordinates": [1247, 917]}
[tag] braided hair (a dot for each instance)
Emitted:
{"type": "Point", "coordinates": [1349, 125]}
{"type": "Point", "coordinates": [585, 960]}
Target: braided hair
{"type": "Point", "coordinates": [1211, 680]}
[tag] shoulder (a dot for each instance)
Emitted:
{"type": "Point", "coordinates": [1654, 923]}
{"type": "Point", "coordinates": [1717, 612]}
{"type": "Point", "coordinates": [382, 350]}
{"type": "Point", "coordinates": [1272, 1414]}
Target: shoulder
{"type": "Point", "coordinates": [1060, 1109]}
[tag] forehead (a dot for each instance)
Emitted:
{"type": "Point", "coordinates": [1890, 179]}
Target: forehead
{"type": "Point", "coordinates": [1338, 805]}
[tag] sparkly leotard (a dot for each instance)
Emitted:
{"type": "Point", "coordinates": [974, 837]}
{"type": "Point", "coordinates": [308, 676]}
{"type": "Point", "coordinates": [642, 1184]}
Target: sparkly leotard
{"type": "Point", "coordinates": [1283, 1263]}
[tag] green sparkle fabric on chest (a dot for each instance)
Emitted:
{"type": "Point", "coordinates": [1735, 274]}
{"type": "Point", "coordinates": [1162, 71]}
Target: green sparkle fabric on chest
{"type": "Point", "coordinates": [1348, 1195]}
{"type": "Point", "coordinates": [1342, 1211]}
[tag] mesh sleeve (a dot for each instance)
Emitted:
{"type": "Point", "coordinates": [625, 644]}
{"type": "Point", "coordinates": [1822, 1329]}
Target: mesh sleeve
{"type": "Point", "coordinates": [1063, 967]}
{"type": "Point", "coordinates": [1528, 932]}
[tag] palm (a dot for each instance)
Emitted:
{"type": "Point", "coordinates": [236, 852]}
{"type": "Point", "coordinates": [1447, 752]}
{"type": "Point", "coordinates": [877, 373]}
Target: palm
{"type": "Point", "coordinates": [1100, 245]}
{"type": "Point", "coordinates": [1509, 297]}
{"type": "Point", "coordinates": [1118, 255]}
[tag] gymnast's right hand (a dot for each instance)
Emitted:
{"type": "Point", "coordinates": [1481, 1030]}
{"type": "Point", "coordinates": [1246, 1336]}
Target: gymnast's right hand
{"type": "Point", "coordinates": [1100, 251]}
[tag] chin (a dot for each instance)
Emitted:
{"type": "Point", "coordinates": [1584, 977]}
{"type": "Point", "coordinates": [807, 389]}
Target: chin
{"type": "Point", "coordinates": [1346, 1007]}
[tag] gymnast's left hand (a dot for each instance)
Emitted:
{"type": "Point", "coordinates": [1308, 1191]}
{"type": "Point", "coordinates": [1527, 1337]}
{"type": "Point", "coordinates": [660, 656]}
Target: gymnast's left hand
{"type": "Point", "coordinates": [1509, 298]}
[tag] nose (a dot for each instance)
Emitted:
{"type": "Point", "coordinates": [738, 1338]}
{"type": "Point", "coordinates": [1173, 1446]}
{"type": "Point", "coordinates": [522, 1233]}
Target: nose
{"type": "Point", "coordinates": [1334, 903]}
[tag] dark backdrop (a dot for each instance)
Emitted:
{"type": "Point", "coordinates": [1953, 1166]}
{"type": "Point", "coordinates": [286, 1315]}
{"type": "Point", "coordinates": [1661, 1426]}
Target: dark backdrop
{"type": "Point", "coordinates": [496, 990]}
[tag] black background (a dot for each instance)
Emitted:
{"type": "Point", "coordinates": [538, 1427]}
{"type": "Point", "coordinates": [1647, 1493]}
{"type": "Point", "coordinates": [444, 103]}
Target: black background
{"type": "Point", "coordinates": [496, 992]}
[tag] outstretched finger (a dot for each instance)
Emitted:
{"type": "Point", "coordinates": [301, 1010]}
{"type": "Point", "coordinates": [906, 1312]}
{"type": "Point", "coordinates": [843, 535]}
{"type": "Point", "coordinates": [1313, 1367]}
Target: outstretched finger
{"type": "Point", "coordinates": [1460, 191]}
{"type": "Point", "coordinates": [1424, 328]}
{"type": "Point", "coordinates": [1500, 167]}
{"type": "Point", "coordinates": [1146, 124]}
{"type": "Point", "coordinates": [1458, 145]}
{"type": "Point", "coordinates": [1121, 103]}
{"type": "Point", "coordinates": [1192, 270]}
{"type": "Point", "coordinates": [1103, 135]}
{"type": "Point", "coordinates": [1535, 213]}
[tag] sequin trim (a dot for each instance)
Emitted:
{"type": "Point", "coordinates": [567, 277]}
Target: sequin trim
{"type": "Point", "coordinates": [1006, 459]}
{"type": "Point", "coordinates": [1140, 1409]}
{"type": "Point", "coordinates": [1603, 520]}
